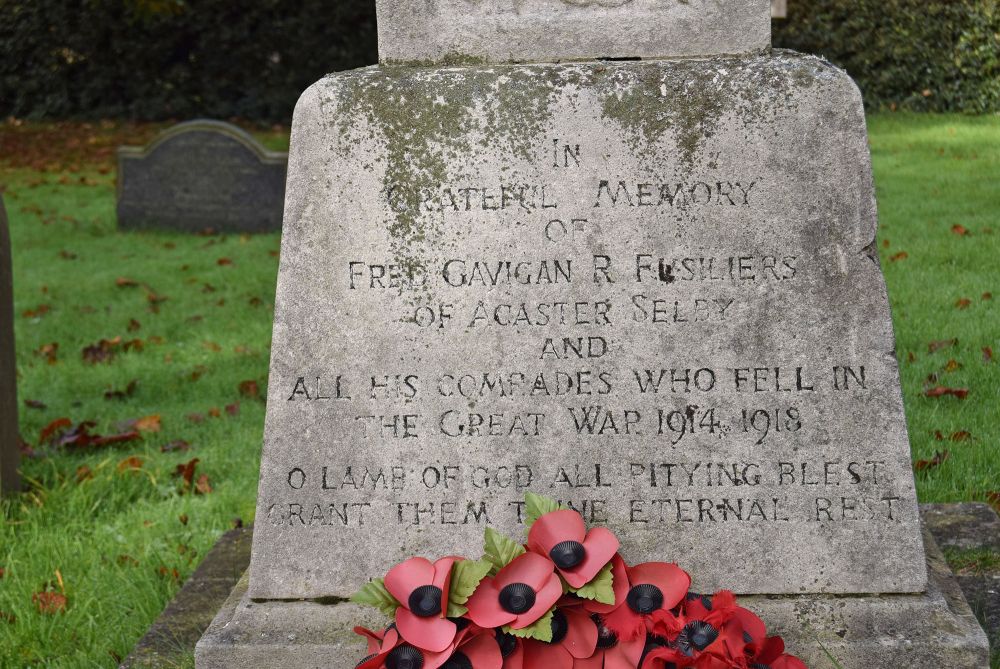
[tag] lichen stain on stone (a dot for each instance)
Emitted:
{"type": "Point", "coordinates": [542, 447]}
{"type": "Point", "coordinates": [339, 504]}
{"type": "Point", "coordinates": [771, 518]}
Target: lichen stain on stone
{"type": "Point", "coordinates": [687, 99]}
{"type": "Point", "coordinates": [429, 123]}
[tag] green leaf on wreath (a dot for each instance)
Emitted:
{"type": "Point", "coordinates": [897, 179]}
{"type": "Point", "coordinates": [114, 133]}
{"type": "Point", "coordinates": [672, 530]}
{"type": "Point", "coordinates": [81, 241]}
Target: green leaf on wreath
{"type": "Point", "coordinates": [600, 588]}
{"type": "Point", "coordinates": [375, 594]}
{"type": "Point", "coordinates": [465, 578]}
{"type": "Point", "coordinates": [541, 629]}
{"type": "Point", "coordinates": [536, 506]}
{"type": "Point", "coordinates": [499, 550]}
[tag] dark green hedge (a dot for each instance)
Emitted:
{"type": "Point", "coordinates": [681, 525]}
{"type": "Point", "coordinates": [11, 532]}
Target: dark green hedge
{"type": "Point", "coordinates": [157, 59]}
{"type": "Point", "coordinates": [924, 55]}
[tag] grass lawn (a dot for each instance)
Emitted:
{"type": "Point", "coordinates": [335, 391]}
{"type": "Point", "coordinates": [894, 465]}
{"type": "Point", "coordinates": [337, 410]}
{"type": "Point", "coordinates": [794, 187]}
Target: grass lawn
{"type": "Point", "coordinates": [116, 532]}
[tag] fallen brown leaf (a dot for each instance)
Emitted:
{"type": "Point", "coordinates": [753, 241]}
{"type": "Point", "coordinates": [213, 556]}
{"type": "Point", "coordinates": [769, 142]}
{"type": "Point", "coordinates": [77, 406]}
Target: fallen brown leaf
{"type": "Point", "coordinates": [962, 435]}
{"type": "Point", "coordinates": [952, 365]}
{"type": "Point", "coordinates": [937, 460]}
{"type": "Point", "coordinates": [125, 282]}
{"type": "Point", "coordinates": [9, 618]}
{"type": "Point", "coordinates": [102, 351]}
{"type": "Point", "coordinates": [131, 463]}
{"type": "Point", "coordinates": [35, 404]}
{"type": "Point", "coordinates": [169, 573]}
{"type": "Point", "coordinates": [940, 344]}
{"type": "Point", "coordinates": [987, 354]}
{"type": "Point", "coordinates": [224, 261]}
{"type": "Point", "coordinates": [202, 487]}
{"type": "Point", "coordinates": [939, 391]}
{"type": "Point", "coordinates": [987, 296]}
{"type": "Point", "coordinates": [902, 255]}
{"type": "Point", "coordinates": [133, 325]}
{"type": "Point", "coordinates": [148, 423]}
{"type": "Point", "coordinates": [49, 352]}
{"type": "Point", "coordinates": [249, 389]}
{"type": "Point", "coordinates": [196, 418]}
{"type": "Point", "coordinates": [233, 409]}
{"type": "Point", "coordinates": [37, 312]}
{"type": "Point", "coordinates": [963, 303]}
{"type": "Point", "coordinates": [211, 346]}
{"type": "Point", "coordinates": [186, 471]}
{"type": "Point", "coordinates": [50, 603]}
{"type": "Point", "coordinates": [183, 518]}
{"type": "Point", "coordinates": [959, 230]}
{"type": "Point", "coordinates": [214, 412]}
{"type": "Point", "coordinates": [127, 560]}
{"type": "Point", "coordinates": [56, 426]}
{"type": "Point", "coordinates": [79, 436]}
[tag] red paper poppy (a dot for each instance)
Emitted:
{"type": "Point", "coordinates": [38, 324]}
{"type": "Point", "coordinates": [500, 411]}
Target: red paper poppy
{"type": "Point", "coordinates": [612, 653]}
{"type": "Point", "coordinates": [520, 593]}
{"type": "Point", "coordinates": [574, 637]}
{"type": "Point", "coordinates": [389, 648]}
{"type": "Point", "coordinates": [653, 586]}
{"type": "Point", "coordinates": [578, 554]}
{"type": "Point", "coordinates": [421, 587]}
{"type": "Point", "coordinates": [769, 653]}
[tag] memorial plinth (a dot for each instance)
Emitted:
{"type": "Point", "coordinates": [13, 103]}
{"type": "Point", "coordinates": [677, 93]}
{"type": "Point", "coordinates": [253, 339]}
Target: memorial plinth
{"type": "Point", "coordinates": [648, 289]}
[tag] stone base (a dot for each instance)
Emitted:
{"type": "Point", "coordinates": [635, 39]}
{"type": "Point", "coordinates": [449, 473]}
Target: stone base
{"type": "Point", "coordinates": [934, 630]}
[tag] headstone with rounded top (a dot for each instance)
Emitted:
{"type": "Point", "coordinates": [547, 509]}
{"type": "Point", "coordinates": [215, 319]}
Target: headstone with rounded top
{"type": "Point", "coordinates": [201, 176]}
{"type": "Point", "coordinates": [648, 288]}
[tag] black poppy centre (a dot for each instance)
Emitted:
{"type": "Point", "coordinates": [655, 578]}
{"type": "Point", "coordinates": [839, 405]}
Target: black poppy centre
{"type": "Point", "coordinates": [425, 601]}
{"type": "Point", "coordinates": [567, 554]}
{"type": "Point", "coordinates": [696, 635]}
{"type": "Point", "coordinates": [517, 598]}
{"type": "Point", "coordinates": [644, 598]}
{"type": "Point", "coordinates": [404, 657]}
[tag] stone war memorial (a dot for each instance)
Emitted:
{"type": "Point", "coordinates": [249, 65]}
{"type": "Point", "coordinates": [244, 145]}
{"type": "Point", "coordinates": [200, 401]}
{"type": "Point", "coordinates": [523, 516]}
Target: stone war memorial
{"type": "Point", "coordinates": [9, 453]}
{"type": "Point", "coordinates": [201, 175]}
{"type": "Point", "coordinates": [621, 254]}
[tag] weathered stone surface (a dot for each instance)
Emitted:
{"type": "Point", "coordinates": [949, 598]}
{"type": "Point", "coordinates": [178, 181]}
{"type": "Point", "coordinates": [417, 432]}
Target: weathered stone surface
{"type": "Point", "coordinates": [926, 631]}
{"type": "Point", "coordinates": [201, 175]}
{"type": "Point", "coordinates": [505, 31]}
{"type": "Point", "coordinates": [964, 526]}
{"type": "Point", "coordinates": [487, 272]}
{"type": "Point", "coordinates": [9, 453]}
{"type": "Point", "coordinates": [174, 634]}
{"type": "Point", "coordinates": [971, 533]}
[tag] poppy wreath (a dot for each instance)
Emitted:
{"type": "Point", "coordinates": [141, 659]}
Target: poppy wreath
{"type": "Point", "coordinates": [564, 600]}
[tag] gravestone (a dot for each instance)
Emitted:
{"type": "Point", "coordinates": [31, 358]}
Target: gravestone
{"type": "Point", "coordinates": [201, 175]}
{"type": "Point", "coordinates": [9, 453]}
{"type": "Point", "coordinates": [649, 289]}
